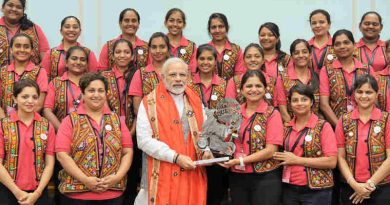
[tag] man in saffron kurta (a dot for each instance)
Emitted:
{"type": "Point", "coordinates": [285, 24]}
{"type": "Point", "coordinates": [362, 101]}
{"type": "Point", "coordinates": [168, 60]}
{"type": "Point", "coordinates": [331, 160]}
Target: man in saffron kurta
{"type": "Point", "coordinates": [168, 125]}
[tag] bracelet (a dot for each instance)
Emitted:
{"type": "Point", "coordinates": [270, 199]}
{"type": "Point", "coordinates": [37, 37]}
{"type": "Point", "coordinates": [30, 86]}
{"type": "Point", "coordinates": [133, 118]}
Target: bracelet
{"type": "Point", "coordinates": [175, 159]}
{"type": "Point", "coordinates": [241, 161]}
{"type": "Point", "coordinates": [371, 183]}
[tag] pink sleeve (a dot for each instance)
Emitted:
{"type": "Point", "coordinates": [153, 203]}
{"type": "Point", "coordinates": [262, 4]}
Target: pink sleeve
{"type": "Point", "coordinates": [45, 63]}
{"type": "Point", "coordinates": [51, 140]}
{"type": "Point", "coordinates": [42, 80]}
{"type": "Point", "coordinates": [136, 84]}
{"type": "Point", "coordinates": [43, 43]}
{"type": "Point", "coordinates": [103, 58]}
{"type": "Point", "coordinates": [324, 82]}
{"type": "Point", "coordinates": [274, 133]}
{"type": "Point", "coordinates": [328, 140]}
{"type": "Point", "coordinates": [231, 89]}
{"type": "Point", "coordinates": [49, 99]}
{"type": "Point", "coordinates": [92, 62]}
{"type": "Point", "coordinates": [1, 143]}
{"type": "Point", "coordinates": [281, 98]}
{"type": "Point", "coordinates": [239, 67]}
{"type": "Point", "coordinates": [340, 134]}
{"type": "Point", "coordinates": [64, 136]}
{"type": "Point", "coordinates": [127, 141]}
{"type": "Point", "coordinates": [193, 63]}
{"type": "Point", "coordinates": [387, 134]}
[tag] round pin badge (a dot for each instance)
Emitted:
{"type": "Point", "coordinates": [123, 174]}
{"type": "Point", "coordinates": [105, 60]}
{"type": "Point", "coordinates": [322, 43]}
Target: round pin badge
{"type": "Point", "coordinates": [377, 129]}
{"type": "Point", "coordinates": [140, 52]}
{"type": "Point", "coordinates": [308, 138]}
{"type": "Point", "coordinates": [280, 68]}
{"type": "Point", "coordinates": [202, 142]}
{"type": "Point", "coordinates": [349, 108]}
{"type": "Point", "coordinates": [108, 127]}
{"type": "Point", "coordinates": [1, 50]}
{"type": "Point", "coordinates": [214, 97]}
{"type": "Point", "coordinates": [183, 51]}
{"type": "Point", "coordinates": [257, 128]}
{"type": "Point", "coordinates": [268, 96]}
{"type": "Point", "coordinates": [350, 133]}
{"type": "Point", "coordinates": [43, 136]}
{"type": "Point", "coordinates": [330, 57]}
{"type": "Point", "coordinates": [226, 57]}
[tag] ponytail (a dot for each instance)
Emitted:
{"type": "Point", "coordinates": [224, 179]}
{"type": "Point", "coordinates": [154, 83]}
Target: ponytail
{"type": "Point", "coordinates": [25, 23]}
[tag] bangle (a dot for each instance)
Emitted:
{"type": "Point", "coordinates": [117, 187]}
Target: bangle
{"type": "Point", "coordinates": [175, 159]}
{"type": "Point", "coordinates": [241, 161]}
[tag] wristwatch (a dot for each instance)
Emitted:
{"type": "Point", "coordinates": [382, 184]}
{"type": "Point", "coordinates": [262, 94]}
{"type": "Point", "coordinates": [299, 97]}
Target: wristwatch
{"type": "Point", "coordinates": [371, 183]}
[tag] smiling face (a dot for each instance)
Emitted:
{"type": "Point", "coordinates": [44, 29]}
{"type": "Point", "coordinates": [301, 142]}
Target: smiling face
{"type": "Point", "coordinates": [300, 104]}
{"type": "Point", "coordinates": [27, 100]}
{"type": "Point", "coordinates": [267, 39]}
{"type": "Point", "coordinates": [175, 23]}
{"type": "Point", "coordinates": [343, 46]}
{"type": "Point", "coordinates": [175, 77]}
{"type": "Point", "coordinates": [371, 26]}
{"type": "Point", "coordinates": [253, 90]}
{"type": "Point", "coordinates": [319, 24]}
{"type": "Point", "coordinates": [71, 30]}
{"type": "Point", "coordinates": [77, 62]}
{"type": "Point", "coordinates": [206, 62]}
{"type": "Point", "coordinates": [365, 96]}
{"type": "Point", "coordinates": [253, 59]}
{"type": "Point", "coordinates": [21, 49]}
{"type": "Point", "coordinates": [13, 11]}
{"type": "Point", "coordinates": [130, 23]}
{"type": "Point", "coordinates": [94, 95]}
{"type": "Point", "coordinates": [301, 55]}
{"type": "Point", "coordinates": [159, 49]}
{"type": "Point", "coordinates": [123, 55]}
{"type": "Point", "coordinates": [218, 29]}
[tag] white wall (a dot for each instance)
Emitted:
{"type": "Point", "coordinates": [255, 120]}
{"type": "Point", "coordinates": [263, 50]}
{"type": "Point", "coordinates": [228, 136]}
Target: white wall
{"type": "Point", "coordinates": [100, 17]}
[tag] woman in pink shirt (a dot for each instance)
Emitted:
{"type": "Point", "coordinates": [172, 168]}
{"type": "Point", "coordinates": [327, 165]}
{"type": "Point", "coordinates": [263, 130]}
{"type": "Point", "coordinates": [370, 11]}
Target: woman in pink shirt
{"type": "Point", "coordinates": [15, 21]}
{"type": "Point", "coordinates": [26, 150]}
{"type": "Point", "coordinates": [175, 22]}
{"type": "Point", "coordinates": [310, 153]}
{"type": "Point", "coordinates": [321, 43]}
{"type": "Point", "coordinates": [229, 56]}
{"type": "Point", "coordinates": [253, 60]}
{"type": "Point", "coordinates": [255, 177]}
{"type": "Point", "coordinates": [54, 60]}
{"type": "Point", "coordinates": [383, 80]}
{"type": "Point", "coordinates": [129, 21]}
{"type": "Point", "coordinates": [363, 139]}
{"type": "Point", "coordinates": [275, 60]}
{"type": "Point", "coordinates": [21, 67]}
{"type": "Point", "coordinates": [371, 50]}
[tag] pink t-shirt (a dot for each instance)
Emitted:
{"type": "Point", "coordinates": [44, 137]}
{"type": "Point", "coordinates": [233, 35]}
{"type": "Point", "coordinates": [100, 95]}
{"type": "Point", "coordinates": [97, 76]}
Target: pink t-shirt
{"type": "Point", "coordinates": [175, 52]}
{"type": "Point", "coordinates": [206, 97]}
{"type": "Point", "coordinates": [362, 172]}
{"type": "Point", "coordinates": [319, 53]}
{"type": "Point", "coordinates": [328, 145]}
{"type": "Point", "coordinates": [26, 174]}
{"type": "Point", "coordinates": [375, 58]}
{"type": "Point", "coordinates": [274, 132]}
{"type": "Point", "coordinates": [136, 82]}
{"type": "Point", "coordinates": [64, 142]}
{"type": "Point", "coordinates": [46, 61]}
{"type": "Point", "coordinates": [239, 67]}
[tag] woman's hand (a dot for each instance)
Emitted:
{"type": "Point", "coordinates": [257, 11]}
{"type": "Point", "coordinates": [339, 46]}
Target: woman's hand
{"type": "Point", "coordinates": [230, 163]}
{"type": "Point", "coordinates": [30, 199]}
{"type": "Point", "coordinates": [362, 191]}
{"type": "Point", "coordinates": [93, 184]}
{"type": "Point", "coordinates": [108, 181]}
{"type": "Point", "coordinates": [287, 158]}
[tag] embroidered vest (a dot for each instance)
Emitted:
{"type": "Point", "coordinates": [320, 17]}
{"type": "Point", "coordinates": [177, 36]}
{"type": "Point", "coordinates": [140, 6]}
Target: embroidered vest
{"type": "Point", "coordinates": [282, 64]}
{"type": "Point", "coordinates": [316, 178]}
{"type": "Point", "coordinates": [288, 83]}
{"type": "Point", "coordinates": [376, 142]}
{"type": "Point", "coordinates": [258, 142]}
{"type": "Point", "coordinates": [5, 57]}
{"type": "Point", "coordinates": [338, 95]}
{"type": "Point", "coordinates": [8, 81]}
{"type": "Point", "coordinates": [11, 146]}
{"type": "Point", "coordinates": [229, 61]}
{"type": "Point", "coordinates": [357, 53]}
{"type": "Point", "coordinates": [186, 52]}
{"type": "Point", "coordinates": [114, 101]}
{"type": "Point", "coordinates": [383, 85]}
{"type": "Point", "coordinates": [60, 98]}
{"type": "Point", "coordinates": [85, 153]}
{"type": "Point", "coordinates": [329, 57]}
{"type": "Point", "coordinates": [55, 56]}
{"type": "Point", "coordinates": [140, 54]}
{"type": "Point", "coordinates": [149, 81]}
{"type": "Point", "coordinates": [218, 90]}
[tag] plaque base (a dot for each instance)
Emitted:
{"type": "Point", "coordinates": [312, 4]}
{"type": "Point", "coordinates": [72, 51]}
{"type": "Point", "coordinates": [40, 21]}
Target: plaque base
{"type": "Point", "coordinates": [211, 161]}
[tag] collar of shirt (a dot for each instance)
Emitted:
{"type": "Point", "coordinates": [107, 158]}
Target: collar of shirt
{"type": "Point", "coordinates": [150, 68]}
{"type": "Point", "coordinates": [376, 114]}
{"type": "Point", "coordinates": [261, 108]}
{"type": "Point", "coordinates": [2, 23]}
{"type": "Point", "coordinates": [228, 46]}
{"type": "Point", "coordinates": [138, 41]}
{"type": "Point", "coordinates": [337, 65]}
{"type": "Point", "coordinates": [328, 43]}
{"type": "Point", "coordinates": [117, 73]}
{"type": "Point", "coordinates": [81, 109]}
{"type": "Point", "coordinates": [272, 59]}
{"type": "Point", "coordinates": [379, 43]}
{"type": "Point", "coordinates": [183, 42]}
{"type": "Point", "coordinates": [292, 75]}
{"type": "Point", "coordinates": [29, 66]}
{"type": "Point", "coordinates": [384, 71]}
{"type": "Point", "coordinates": [214, 81]}
{"type": "Point", "coordinates": [310, 124]}
{"type": "Point", "coordinates": [14, 117]}
{"type": "Point", "coordinates": [61, 46]}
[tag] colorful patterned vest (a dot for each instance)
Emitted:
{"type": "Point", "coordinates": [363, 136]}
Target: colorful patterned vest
{"type": "Point", "coordinates": [328, 59]}
{"type": "Point", "coordinates": [217, 90]}
{"type": "Point", "coordinates": [376, 142]}
{"type": "Point", "coordinates": [282, 64]}
{"type": "Point", "coordinates": [383, 84]}
{"type": "Point", "coordinates": [5, 57]}
{"type": "Point", "coordinates": [226, 67]}
{"type": "Point", "coordinates": [338, 96]}
{"type": "Point", "coordinates": [149, 81]}
{"type": "Point", "coordinates": [11, 146]}
{"type": "Point", "coordinates": [357, 53]}
{"type": "Point", "coordinates": [270, 89]}
{"type": "Point", "coordinates": [289, 83]}
{"type": "Point", "coordinates": [8, 81]}
{"type": "Point", "coordinates": [55, 56]}
{"type": "Point", "coordinates": [316, 178]}
{"type": "Point", "coordinates": [140, 54]}
{"type": "Point", "coordinates": [186, 52]}
{"type": "Point", "coordinates": [85, 152]}
{"type": "Point", "coordinates": [114, 101]}
{"type": "Point", "coordinates": [258, 141]}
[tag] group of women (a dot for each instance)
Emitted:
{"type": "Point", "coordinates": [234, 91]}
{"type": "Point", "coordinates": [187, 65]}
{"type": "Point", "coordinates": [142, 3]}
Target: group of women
{"type": "Point", "coordinates": [323, 105]}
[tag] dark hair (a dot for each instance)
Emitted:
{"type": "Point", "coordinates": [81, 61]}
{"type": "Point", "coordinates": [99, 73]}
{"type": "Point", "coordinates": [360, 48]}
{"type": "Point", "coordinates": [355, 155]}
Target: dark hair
{"type": "Point", "coordinates": [320, 11]}
{"type": "Point", "coordinates": [24, 22]}
{"type": "Point", "coordinates": [123, 12]}
{"type": "Point", "coordinates": [69, 17]}
{"type": "Point", "coordinates": [275, 31]}
{"type": "Point", "coordinates": [162, 35]}
{"type": "Point", "coordinates": [129, 73]}
{"type": "Point", "coordinates": [371, 12]}
{"type": "Point", "coordinates": [251, 73]}
{"type": "Point", "coordinates": [75, 48]}
{"type": "Point", "coordinates": [87, 78]}
{"type": "Point", "coordinates": [173, 10]}
{"type": "Point", "coordinates": [18, 35]}
{"type": "Point", "coordinates": [341, 32]}
{"type": "Point", "coordinates": [21, 84]}
{"type": "Point", "coordinates": [387, 43]}
{"type": "Point", "coordinates": [206, 47]}
{"type": "Point", "coordinates": [302, 89]}
{"type": "Point", "coordinates": [254, 45]}
{"type": "Point", "coordinates": [366, 78]}
{"type": "Point", "coordinates": [221, 17]}
{"type": "Point", "coordinates": [298, 41]}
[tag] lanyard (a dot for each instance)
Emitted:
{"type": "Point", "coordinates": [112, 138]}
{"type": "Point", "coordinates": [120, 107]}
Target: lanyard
{"type": "Point", "coordinates": [348, 90]}
{"type": "Point", "coordinates": [75, 101]}
{"type": "Point", "coordinates": [287, 142]}
{"type": "Point", "coordinates": [203, 97]}
{"type": "Point", "coordinates": [319, 64]}
{"type": "Point", "coordinates": [370, 61]}
{"type": "Point", "coordinates": [100, 134]}
{"type": "Point", "coordinates": [247, 128]}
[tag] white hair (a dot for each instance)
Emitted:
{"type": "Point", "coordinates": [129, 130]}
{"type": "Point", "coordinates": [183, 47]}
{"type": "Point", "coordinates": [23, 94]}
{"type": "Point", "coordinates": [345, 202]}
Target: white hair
{"type": "Point", "coordinates": [170, 61]}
